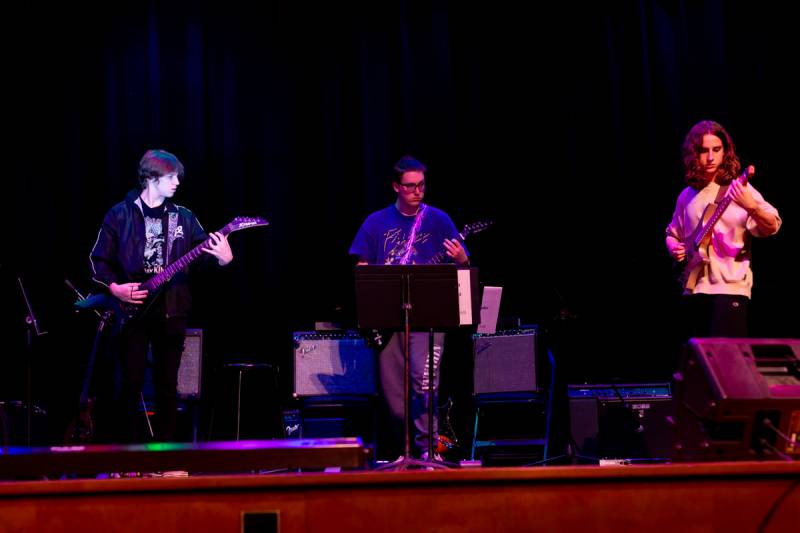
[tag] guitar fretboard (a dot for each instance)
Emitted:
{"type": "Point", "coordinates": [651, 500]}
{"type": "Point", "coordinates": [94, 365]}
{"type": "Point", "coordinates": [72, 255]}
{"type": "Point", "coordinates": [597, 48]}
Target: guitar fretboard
{"type": "Point", "coordinates": [721, 207]}
{"type": "Point", "coordinates": [187, 259]}
{"type": "Point", "coordinates": [438, 258]}
{"type": "Point", "coordinates": [468, 230]}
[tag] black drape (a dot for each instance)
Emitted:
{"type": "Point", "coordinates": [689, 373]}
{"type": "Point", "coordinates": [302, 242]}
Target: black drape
{"type": "Point", "coordinates": [562, 123]}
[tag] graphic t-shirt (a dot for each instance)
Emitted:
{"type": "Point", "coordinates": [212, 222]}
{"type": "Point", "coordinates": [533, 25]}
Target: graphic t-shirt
{"type": "Point", "coordinates": [154, 239]}
{"type": "Point", "coordinates": [382, 238]}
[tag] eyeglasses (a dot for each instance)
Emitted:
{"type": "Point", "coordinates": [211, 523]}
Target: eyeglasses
{"type": "Point", "coordinates": [409, 187]}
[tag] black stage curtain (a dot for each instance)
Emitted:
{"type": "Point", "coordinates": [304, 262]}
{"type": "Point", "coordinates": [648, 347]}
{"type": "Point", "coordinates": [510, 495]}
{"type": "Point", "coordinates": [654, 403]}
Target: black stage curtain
{"type": "Point", "coordinates": [563, 125]}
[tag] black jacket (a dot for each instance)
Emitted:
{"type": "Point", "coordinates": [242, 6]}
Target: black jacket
{"type": "Point", "coordinates": [118, 253]}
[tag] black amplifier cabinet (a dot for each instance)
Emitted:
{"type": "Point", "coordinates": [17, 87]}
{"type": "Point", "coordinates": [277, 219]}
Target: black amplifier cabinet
{"type": "Point", "coordinates": [506, 362]}
{"type": "Point", "coordinates": [625, 421]}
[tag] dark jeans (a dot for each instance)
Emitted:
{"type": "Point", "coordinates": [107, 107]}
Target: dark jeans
{"type": "Point", "coordinates": [715, 315]}
{"type": "Point", "coordinates": [165, 336]}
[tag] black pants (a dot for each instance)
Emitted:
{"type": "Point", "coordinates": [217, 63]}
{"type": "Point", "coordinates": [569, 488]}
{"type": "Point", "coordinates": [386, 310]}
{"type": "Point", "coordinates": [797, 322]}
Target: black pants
{"type": "Point", "coordinates": [715, 315]}
{"type": "Point", "coordinates": [165, 336]}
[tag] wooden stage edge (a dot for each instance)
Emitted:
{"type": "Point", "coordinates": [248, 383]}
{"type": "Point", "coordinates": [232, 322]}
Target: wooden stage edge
{"type": "Point", "coordinates": [731, 497]}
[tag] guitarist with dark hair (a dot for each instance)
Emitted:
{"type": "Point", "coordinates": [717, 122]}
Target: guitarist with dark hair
{"type": "Point", "coordinates": [714, 220]}
{"type": "Point", "coordinates": [140, 237]}
{"type": "Point", "coordinates": [405, 233]}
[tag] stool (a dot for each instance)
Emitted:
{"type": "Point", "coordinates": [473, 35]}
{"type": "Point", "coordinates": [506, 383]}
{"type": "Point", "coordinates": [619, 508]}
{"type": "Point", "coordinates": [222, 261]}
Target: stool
{"type": "Point", "coordinates": [510, 428]}
{"type": "Point", "coordinates": [241, 369]}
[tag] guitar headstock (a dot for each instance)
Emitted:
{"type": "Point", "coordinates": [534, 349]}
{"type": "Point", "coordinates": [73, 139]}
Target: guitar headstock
{"type": "Point", "coordinates": [242, 223]}
{"type": "Point", "coordinates": [475, 227]}
{"type": "Point", "coordinates": [747, 174]}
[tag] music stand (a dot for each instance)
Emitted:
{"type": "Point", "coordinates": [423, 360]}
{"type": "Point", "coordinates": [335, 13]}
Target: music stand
{"type": "Point", "coordinates": [32, 329]}
{"type": "Point", "coordinates": [418, 297]}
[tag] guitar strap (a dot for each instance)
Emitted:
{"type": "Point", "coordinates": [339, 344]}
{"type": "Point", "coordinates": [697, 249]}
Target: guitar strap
{"type": "Point", "coordinates": [720, 195]}
{"type": "Point", "coordinates": [169, 228]}
{"type": "Point", "coordinates": [708, 212]}
{"type": "Point", "coordinates": [412, 236]}
{"type": "Point", "coordinates": [169, 222]}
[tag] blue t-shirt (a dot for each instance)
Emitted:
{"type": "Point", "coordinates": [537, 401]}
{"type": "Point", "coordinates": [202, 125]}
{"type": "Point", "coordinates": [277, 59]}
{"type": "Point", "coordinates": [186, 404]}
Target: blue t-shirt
{"type": "Point", "coordinates": [382, 238]}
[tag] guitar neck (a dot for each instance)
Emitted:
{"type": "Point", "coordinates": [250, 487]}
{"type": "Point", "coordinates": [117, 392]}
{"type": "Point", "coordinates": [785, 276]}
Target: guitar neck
{"type": "Point", "coordinates": [442, 254]}
{"type": "Point", "coordinates": [723, 205]}
{"type": "Point", "coordinates": [187, 259]}
{"type": "Point", "coordinates": [438, 258]}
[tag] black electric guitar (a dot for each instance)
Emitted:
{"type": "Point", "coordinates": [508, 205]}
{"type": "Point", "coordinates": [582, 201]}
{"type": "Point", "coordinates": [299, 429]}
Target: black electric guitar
{"type": "Point", "coordinates": [377, 338]}
{"type": "Point", "coordinates": [697, 246]}
{"type": "Point", "coordinates": [125, 312]}
{"type": "Point", "coordinates": [469, 229]}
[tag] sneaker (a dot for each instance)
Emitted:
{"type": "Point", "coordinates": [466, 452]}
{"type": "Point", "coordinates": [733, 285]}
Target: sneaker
{"type": "Point", "coordinates": [436, 457]}
{"type": "Point", "coordinates": [175, 473]}
{"type": "Point", "coordinates": [167, 473]}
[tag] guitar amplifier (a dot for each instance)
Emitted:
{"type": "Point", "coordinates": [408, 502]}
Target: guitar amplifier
{"type": "Point", "coordinates": [621, 421]}
{"type": "Point", "coordinates": [506, 362]}
{"type": "Point", "coordinates": [190, 372]}
{"type": "Point", "coordinates": [333, 364]}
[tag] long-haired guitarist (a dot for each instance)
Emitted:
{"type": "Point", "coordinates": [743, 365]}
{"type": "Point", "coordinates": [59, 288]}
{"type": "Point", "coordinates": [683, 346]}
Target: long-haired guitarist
{"type": "Point", "coordinates": [139, 237]}
{"type": "Point", "coordinates": [710, 233]}
{"type": "Point", "coordinates": [409, 232]}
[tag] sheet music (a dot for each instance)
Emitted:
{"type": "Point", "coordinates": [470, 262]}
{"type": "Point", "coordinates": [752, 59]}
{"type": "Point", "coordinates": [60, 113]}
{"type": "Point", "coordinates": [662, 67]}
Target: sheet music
{"type": "Point", "coordinates": [490, 308]}
{"type": "Point", "coordinates": [464, 297]}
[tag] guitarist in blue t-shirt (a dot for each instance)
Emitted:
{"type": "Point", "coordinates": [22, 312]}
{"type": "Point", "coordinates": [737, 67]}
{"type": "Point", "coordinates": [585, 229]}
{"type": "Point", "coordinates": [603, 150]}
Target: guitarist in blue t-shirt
{"type": "Point", "coordinates": [409, 232]}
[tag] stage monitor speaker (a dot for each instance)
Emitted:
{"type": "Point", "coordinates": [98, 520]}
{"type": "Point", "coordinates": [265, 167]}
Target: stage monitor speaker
{"type": "Point", "coordinates": [738, 399]}
{"type": "Point", "coordinates": [333, 364]}
{"type": "Point", "coordinates": [629, 421]}
{"type": "Point", "coordinates": [190, 372]}
{"type": "Point", "coordinates": [506, 362]}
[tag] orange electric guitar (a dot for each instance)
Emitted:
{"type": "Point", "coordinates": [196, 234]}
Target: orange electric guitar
{"type": "Point", "coordinates": [697, 246]}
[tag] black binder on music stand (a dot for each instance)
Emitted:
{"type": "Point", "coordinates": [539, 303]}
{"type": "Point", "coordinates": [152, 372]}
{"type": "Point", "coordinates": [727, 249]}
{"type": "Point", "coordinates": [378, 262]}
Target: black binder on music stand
{"type": "Point", "coordinates": [434, 293]}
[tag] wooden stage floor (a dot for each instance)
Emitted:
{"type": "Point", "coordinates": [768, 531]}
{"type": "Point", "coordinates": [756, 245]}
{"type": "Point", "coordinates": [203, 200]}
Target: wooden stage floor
{"type": "Point", "coordinates": [729, 497]}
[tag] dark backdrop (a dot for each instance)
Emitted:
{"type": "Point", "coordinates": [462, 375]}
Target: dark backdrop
{"type": "Point", "coordinates": [561, 123]}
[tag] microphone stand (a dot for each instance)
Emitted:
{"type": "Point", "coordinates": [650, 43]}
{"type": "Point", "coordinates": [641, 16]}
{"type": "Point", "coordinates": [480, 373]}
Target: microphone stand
{"type": "Point", "coordinates": [32, 328]}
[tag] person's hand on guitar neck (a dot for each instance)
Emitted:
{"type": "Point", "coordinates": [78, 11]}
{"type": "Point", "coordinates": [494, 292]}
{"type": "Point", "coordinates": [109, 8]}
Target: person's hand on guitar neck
{"type": "Point", "coordinates": [741, 193]}
{"type": "Point", "coordinates": [130, 293]}
{"type": "Point", "coordinates": [456, 251]}
{"type": "Point", "coordinates": [218, 246]}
